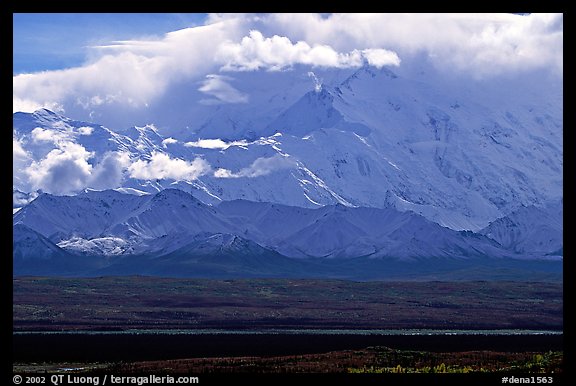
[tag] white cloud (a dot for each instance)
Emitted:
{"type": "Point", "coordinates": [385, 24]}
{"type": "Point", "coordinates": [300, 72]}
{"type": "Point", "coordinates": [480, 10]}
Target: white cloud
{"type": "Point", "coordinates": [379, 57]}
{"type": "Point", "coordinates": [64, 169]}
{"type": "Point", "coordinates": [85, 130]}
{"type": "Point", "coordinates": [487, 44]}
{"type": "Point", "coordinates": [129, 75]}
{"type": "Point", "coordinates": [39, 134]}
{"type": "Point", "coordinates": [215, 144]}
{"type": "Point", "coordinates": [17, 149]}
{"type": "Point", "coordinates": [260, 167]}
{"type": "Point", "coordinates": [127, 79]}
{"type": "Point", "coordinates": [20, 161]}
{"type": "Point", "coordinates": [224, 173]}
{"type": "Point", "coordinates": [317, 82]}
{"type": "Point", "coordinates": [21, 104]}
{"type": "Point", "coordinates": [46, 135]}
{"type": "Point", "coordinates": [67, 168]}
{"type": "Point", "coordinates": [256, 52]}
{"type": "Point", "coordinates": [168, 141]}
{"type": "Point", "coordinates": [134, 82]}
{"type": "Point", "coordinates": [218, 87]}
{"type": "Point", "coordinates": [21, 199]}
{"type": "Point", "coordinates": [109, 173]}
{"type": "Point", "coordinates": [161, 166]}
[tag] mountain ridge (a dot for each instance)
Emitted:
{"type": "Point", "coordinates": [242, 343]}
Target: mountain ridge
{"type": "Point", "coordinates": [174, 227]}
{"type": "Point", "coordinates": [462, 155]}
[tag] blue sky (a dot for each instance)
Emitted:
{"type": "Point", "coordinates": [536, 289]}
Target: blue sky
{"type": "Point", "coordinates": [53, 41]}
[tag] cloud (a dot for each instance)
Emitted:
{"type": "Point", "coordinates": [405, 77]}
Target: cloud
{"type": "Point", "coordinates": [127, 79]}
{"type": "Point", "coordinates": [317, 82]}
{"type": "Point", "coordinates": [20, 199]}
{"type": "Point", "coordinates": [46, 135]}
{"type": "Point", "coordinates": [134, 82]}
{"type": "Point", "coordinates": [215, 144]}
{"type": "Point", "coordinates": [20, 161]}
{"type": "Point", "coordinates": [68, 167]}
{"type": "Point", "coordinates": [256, 52]}
{"type": "Point", "coordinates": [64, 166]}
{"type": "Point", "coordinates": [67, 170]}
{"type": "Point", "coordinates": [85, 130]}
{"type": "Point", "coordinates": [39, 134]}
{"type": "Point", "coordinates": [126, 76]}
{"type": "Point", "coordinates": [218, 87]}
{"type": "Point", "coordinates": [109, 173]}
{"type": "Point", "coordinates": [29, 105]}
{"type": "Point", "coordinates": [168, 141]}
{"type": "Point", "coordinates": [64, 170]}
{"type": "Point", "coordinates": [161, 166]}
{"type": "Point", "coordinates": [379, 57]}
{"type": "Point", "coordinates": [260, 167]}
{"type": "Point", "coordinates": [486, 44]}
{"type": "Point", "coordinates": [17, 149]}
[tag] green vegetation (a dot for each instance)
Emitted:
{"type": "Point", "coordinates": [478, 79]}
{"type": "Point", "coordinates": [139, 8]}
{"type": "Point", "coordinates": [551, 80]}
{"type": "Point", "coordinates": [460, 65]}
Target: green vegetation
{"type": "Point", "coordinates": [466, 362]}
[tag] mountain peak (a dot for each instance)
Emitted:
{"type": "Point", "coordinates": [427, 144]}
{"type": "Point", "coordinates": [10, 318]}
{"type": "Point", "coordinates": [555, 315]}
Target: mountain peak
{"type": "Point", "coordinates": [48, 115]}
{"type": "Point", "coordinates": [367, 73]}
{"type": "Point", "coordinates": [175, 194]}
{"type": "Point", "coordinates": [45, 112]}
{"type": "Point", "coordinates": [315, 110]}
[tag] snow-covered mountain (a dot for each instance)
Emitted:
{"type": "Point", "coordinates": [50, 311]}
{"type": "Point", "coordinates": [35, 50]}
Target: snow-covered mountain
{"type": "Point", "coordinates": [34, 254]}
{"type": "Point", "coordinates": [338, 231]}
{"type": "Point", "coordinates": [112, 223]}
{"type": "Point", "coordinates": [30, 245]}
{"type": "Point", "coordinates": [172, 232]}
{"type": "Point", "coordinates": [339, 164]}
{"type": "Point", "coordinates": [460, 152]}
{"type": "Point", "coordinates": [530, 230]}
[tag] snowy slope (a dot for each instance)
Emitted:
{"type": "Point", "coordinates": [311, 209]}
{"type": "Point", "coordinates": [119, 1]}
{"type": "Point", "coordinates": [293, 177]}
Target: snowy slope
{"type": "Point", "coordinates": [265, 222]}
{"type": "Point", "coordinates": [171, 211]}
{"type": "Point", "coordinates": [226, 254]}
{"type": "Point", "coordinates": [41, 130]}
{"type": "Point", "coordinates": [86, 215]}
{"type": "Point", "coordinates": [340, 231]}
{"type": "Point", "coordinates": [530, 230]}
{"type": "Point", "coordinates": [462, 152]}
{"type": "Point", "coordinates": [30, 245]}
{"type": "Point", "coordinates": [33, 254]}
{"type": "Point", "coordinates": [172, 233]}
{"type": "Point", "coordinates": [112, 223]}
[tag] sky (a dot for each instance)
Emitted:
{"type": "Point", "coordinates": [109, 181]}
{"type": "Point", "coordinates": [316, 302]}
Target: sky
{"type": "Point", "coordinates": [121, 69]}
{"type": "Point", "coordinates": [55, 41]}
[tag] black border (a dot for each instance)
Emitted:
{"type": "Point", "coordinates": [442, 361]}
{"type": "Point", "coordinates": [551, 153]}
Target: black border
{"type": "Point", "coordinates": [260, 6]}
{"type": "Point", "coordinates": [6, 24]}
